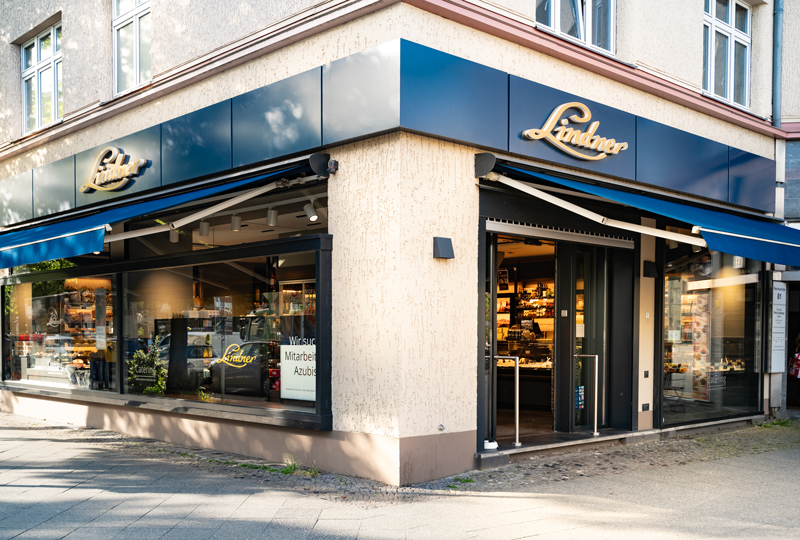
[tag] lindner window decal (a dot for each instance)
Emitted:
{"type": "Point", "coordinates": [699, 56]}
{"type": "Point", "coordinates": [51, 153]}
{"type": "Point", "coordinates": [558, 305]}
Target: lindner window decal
{"type": "Point", "coordinates": [110, 171]}
{"type": "Point", "coordinates": [557, 132]}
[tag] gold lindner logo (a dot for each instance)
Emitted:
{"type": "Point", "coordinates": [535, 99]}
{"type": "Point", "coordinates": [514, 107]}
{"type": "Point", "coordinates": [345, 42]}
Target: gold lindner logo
{"type": "Point", "coordinates": [556, 132]}
{"type": "Point", "coordinates": [237, 361]}
{"type": "Point", "coordinates": [110, 172]}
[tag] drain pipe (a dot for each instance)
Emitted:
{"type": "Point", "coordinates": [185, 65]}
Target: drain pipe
{"type": "Point", "coordinates": [778, 379]}
{"type": "Point", "coordinates": [777, 62]}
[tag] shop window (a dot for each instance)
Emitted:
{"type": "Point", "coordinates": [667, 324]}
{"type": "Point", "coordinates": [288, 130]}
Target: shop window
{"type": "Point", "coordinates": [268, 217]}
{"type": "Point", "coordinates": [238, 332]}
{"type": "Point", "coordinates": [712, 330]}
{"type": "Point", "coordinates": [132, 36]}
{"type": "Point", "coordinates": [62, 334]}
{"type": "Point", "coordinates": [42, 92]}
{"type": "Point", "coordinates": [588, 21]}
{"type": "Point", "coordinates": [726, 50]}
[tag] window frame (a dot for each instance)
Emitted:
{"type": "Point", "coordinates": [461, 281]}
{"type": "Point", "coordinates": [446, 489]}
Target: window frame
{"type": "Point", "coordinates": [118, 21]}
{"type": "Point", "coordinates": [734, 35]}
{"type": "Point", "coordinates": [54, 62]}
{"type": "Point", "coordinates": [584, 25]}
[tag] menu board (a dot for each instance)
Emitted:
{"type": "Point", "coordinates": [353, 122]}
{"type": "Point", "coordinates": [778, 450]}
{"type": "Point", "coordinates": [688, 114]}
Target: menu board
{"type": "Point", "coordinates": [700, 320]}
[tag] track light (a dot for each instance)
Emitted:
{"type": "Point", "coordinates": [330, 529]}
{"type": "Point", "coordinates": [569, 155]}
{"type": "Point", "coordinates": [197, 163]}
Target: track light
{"type": "Point", "coordinates": [204, 226]}
{"type": "Point", "coordinates": [236, 223]}
{"type": "Point", "coordinates": [272, 217]}
{"type": "Point", "coordinates": [310, 212]}
{"type": "Point", "coordinates": [174, 236]}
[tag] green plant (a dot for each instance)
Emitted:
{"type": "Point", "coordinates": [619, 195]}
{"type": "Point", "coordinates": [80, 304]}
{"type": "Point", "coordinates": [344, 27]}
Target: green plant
{"type": "Point", "coordinates": [203, 396]}
{"type": "Point", "coordinates": [463, 480]}
{"type": "Point", "coordinates": [451, 486]}
{"type": "Point", "coordinates": [259, 467]}
{"type": "Point", "coordinates": [782, 422]}
{"type": "Point", "coordinates": [146, 372]}
{"type": "Point", "coordinates": [290, 467]}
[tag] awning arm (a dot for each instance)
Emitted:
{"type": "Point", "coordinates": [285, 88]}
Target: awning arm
{"type": "Point", "coordinates": [574, 208]}
{"type": "Point", "coordinates": [697, 229]}
{"type": "Point", "coordinates": [207, 211]}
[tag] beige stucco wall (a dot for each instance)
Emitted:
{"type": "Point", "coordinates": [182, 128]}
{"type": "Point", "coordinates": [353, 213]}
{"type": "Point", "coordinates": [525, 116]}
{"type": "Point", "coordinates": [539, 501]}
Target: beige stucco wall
{"type": "Point", "coordinates": [404, 323]}
{"type": "Point", "coordinates": [790, 97]}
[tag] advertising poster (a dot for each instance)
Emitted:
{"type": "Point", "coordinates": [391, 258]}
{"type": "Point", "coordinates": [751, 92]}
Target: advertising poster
{"type": "Point", "coordinates": [299, 369]}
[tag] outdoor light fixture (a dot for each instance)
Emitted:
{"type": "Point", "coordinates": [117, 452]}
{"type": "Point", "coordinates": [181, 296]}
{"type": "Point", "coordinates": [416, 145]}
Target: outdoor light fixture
{"type": "Point", "coordinates": [204, 226]}
{"type": "Point", "coordinates": [272, 217]}
{"type": "Point", "coordinates": [310, 212]}
{"type": "Point", "coordinates": [236, 223]}
{"type": "Point", "coordinates": [174, 236]}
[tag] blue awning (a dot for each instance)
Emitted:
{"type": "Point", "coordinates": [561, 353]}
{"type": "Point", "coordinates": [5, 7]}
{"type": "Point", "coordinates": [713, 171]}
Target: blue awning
{"type": "Point", "coordinates": [85, 234]}
{"type": "Point", "coordinates": [726, 232]}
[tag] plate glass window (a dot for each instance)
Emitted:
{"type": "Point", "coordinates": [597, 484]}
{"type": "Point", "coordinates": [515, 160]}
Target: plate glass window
{"type": "Point", "coordinates": [132, 36]}
{"type": "Point", "coordinates": [726, 51]}
{"type": "Point", "coordinates": [589, 21]}
{"type": "Point", "coordinates": [42, 98]}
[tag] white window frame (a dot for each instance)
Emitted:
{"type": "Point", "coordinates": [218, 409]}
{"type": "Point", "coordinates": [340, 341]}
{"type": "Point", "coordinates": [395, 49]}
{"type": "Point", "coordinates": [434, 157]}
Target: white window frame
{"type": "Point", "coordinates": [734, 36]}
{"type": "Point", "coordinates": [120, 20]}
{"type": "Point", "coordinates": [39, 65]}
{"type": "Point", "coordinates": [584, 25]}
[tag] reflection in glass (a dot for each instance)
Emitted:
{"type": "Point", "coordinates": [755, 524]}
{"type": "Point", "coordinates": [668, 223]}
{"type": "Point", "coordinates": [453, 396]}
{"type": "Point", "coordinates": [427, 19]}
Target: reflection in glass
{"type": "Point", "coordinates": [59, 91]}
{"type": "Point", "coordinates": [28, 56]}
{"type": "Point", "coordinates": [46, 78]}
{"type": "Point", "coordinates": [61, 334]}
{"type": "Point", "coordinates": [144, 48]}
{"type": "Point", "coordinates": [722, 10]}
{"type": "Point", "coordinates": [741, 18]}
{"type": "Point", "coordinates": [570, 18]}
{"type": "Point", "coordinates": [30, 103]}
{"type": "Point", "coordinates": [711, 329]}
{"type": "Point", "coordinates": [707, 7]}
{"type": "Point", "coordinates": [45, 47]}
{"type": "Point", "coordinates": [58, 38]}
{"type": "Point", "coordinates": [601, 23]}
{"type": "Point", "coordinates": [123, 6]}
{"type": "Point", "coordinates": [543, 12]}
{"type": "Point", "coordinates": [739, 72]}
{"type": "Point", "coordinates": [125, 68]}
{"type": "Point", "coordinates": [721, 65]}
{"type": "Point", "coordinates": [705, 57]}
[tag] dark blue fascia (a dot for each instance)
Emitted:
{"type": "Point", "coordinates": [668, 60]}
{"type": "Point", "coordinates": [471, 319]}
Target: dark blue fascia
{"type": "Point", "coordinates": [446, 96]}
{"type": "Point", "coordinates": [677, 160]}
{"type": "Point", "coordinates": [280, 119]}
{"type": "Point", "coordinates": [196, 144]}
{"type": "Point", "coordinates": [16, 198]}
{"type": "Point", "coordinates": [145, 144]}
{"type": "Point", "coordinates": [751, 180]}
{"type": "Point", "coordinates": [54, 187]}
{"type": "Point", "coordinates": [531, 104]}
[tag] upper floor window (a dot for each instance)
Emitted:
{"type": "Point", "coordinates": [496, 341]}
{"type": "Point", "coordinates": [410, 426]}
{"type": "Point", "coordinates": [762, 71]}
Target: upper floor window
{"type": "Point", "coordinates": [132, 23]}
{"type": "Point", "coordinates": [589, 21]}
{"type": "Point", "coordinates": [726, 50]}
{"type": "Point", "coordinates": [42, 101]}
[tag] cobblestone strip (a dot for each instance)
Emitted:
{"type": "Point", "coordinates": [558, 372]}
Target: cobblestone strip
{"type": "Point", "coordinates": [520, 476]}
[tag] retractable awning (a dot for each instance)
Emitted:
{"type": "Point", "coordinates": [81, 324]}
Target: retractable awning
{"type": "Point", "coordinates": [726, 232]}
{"type": "Point", "coordinates": [87, 234]}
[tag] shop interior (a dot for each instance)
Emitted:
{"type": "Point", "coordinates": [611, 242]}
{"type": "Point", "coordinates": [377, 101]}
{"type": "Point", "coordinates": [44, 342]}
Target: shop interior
{"type": "Point", "coordinates": [525, 327]}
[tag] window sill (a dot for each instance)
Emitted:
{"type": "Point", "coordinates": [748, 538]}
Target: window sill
{"type": "Point", "coordinates": [271, 417]}
{"type": "Point", "coordinates": [741, 108]}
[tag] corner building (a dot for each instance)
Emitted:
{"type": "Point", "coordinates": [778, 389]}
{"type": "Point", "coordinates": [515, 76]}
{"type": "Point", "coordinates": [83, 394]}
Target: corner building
{"type": "Point", "coordinates": [347, 233]}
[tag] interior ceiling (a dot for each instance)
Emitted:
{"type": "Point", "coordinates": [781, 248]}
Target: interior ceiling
{"type": "Point", "coordinates": [516, 248]}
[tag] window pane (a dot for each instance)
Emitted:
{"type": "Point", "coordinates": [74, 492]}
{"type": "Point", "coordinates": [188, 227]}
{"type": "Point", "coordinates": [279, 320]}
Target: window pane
{"type": "Point", "coordinates": [570, 22]}
{"type": "Point", "coordinates": [721, 65]}
{"type": "Point", "coordinates": [739, 73]}
{"type": "Point", "coordinates": [707, 7]}
{"type": "Point", "coordinates": [144, 48]}
{"type": "Point", "coordinates": [58, 38]}
{"type": "Point", "coordinates": [741, 18]}
{"type": "Point", "coordinates": [125, 73]}
{"type": "Point", "coordinates": [28, 56]}
{"type": "Point", "coordinates": [61, 334]}
{"type": "Point", "coordinates": [705, 57]}
{"type": "Point", "coordinates": [123, 6]}
{"type": "Point", "coordinates": [722, 10]}
{"type": "Point", "coordinates": [601, 23]}
{"type": "Point", "coordinates": [543, 12]}
{"type": "Point", "coordinates": [60, 91]}
{"type": "Point", "coordinates": [46, 80]}
{"type": "Point", "coordinates": [45, 47]}
{"type": "Point", "coordinates": [30, 104]}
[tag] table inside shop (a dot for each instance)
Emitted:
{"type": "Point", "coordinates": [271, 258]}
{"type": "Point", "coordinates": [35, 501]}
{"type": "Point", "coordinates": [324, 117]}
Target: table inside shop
{"type": "Point", "coordinates": [535, 374]}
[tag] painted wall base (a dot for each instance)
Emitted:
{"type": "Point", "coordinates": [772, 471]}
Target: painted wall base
{"type": "Point", "coordinates": [389, 460]}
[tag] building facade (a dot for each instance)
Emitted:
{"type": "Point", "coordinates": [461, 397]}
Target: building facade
{"type": "Point", "coordinates": [344, 232]}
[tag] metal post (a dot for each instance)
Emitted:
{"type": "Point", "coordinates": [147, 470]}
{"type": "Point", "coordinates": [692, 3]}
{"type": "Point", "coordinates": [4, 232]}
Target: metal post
{"type": "Point", "coordinates": [516, 395]}
{"type": "Point", "coordinates": [596, 367]}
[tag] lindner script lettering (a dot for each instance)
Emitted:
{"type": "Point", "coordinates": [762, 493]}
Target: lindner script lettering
{"type": "Point", "coordinates": [556, 132]}
{"type": "Point", "coordinates": [110, 172]}
{"type": "Point", "coordinates": [236, 360]}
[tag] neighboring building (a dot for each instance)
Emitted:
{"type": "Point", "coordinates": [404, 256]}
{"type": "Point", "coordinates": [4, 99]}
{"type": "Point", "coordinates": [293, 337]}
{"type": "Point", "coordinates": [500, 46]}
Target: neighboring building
{"type": "Point", "coordinates": [326, 231]}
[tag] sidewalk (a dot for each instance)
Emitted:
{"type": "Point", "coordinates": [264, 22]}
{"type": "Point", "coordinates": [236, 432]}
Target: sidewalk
{"type": "Point", "coordinates": [60, 482]}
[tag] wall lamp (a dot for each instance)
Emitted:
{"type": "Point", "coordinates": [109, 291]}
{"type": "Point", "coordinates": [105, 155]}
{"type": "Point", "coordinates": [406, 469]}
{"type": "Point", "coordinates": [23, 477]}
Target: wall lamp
{"type": "Point", "coordinates": [236, 223]}
{"type": "Point", "coordinates": [174, 236]}
{"type": "Point", "coordinates": [204, 227]}
{"type": "Point", "coordinates": [311, 212]}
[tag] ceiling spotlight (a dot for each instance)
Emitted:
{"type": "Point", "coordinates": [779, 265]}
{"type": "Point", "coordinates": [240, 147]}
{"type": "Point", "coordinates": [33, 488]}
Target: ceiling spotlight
{"type": "Point", "coordinates": [272, 217]}
{"type": "Point", "coordinates": [310, 212]}
{"type": "Point", "coordinates": [96, 252]}
{"type": "Point", "coordinates": [204, 227]}
{"type": "Point", "coordinates": [174, 236]}
{"type": "Point", "coordinates": [236, 223]}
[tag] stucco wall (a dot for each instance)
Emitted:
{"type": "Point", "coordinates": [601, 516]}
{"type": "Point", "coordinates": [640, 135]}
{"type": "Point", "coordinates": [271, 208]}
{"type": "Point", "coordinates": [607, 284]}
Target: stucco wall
{"type": "Point", "coordinates": [404, 323]}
